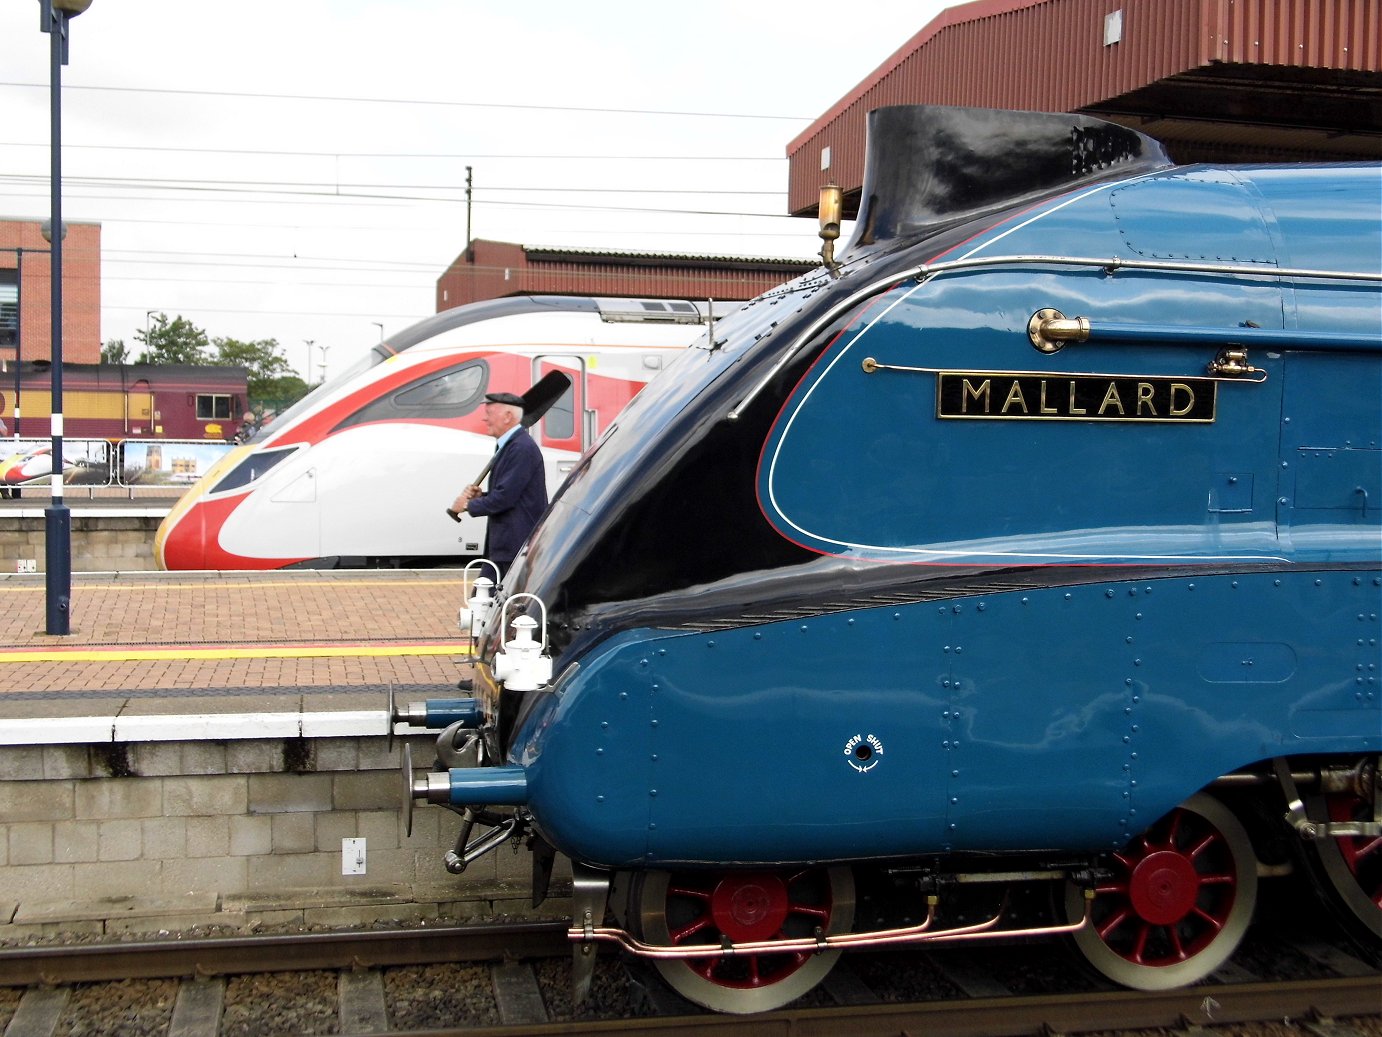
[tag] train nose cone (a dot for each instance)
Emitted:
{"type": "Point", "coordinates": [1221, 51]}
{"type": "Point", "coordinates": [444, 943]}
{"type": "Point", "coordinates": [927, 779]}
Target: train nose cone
{"type": "Point", "coordinates": [189, 536]}
{"type": "Point", "coordinates": [180, 542]}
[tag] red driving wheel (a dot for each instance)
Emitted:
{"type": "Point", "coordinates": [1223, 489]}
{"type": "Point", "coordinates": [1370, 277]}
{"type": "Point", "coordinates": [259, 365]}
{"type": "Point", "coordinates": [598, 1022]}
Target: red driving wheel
{"type": "Point", "coordinates": [1178, 903]}
{"type": "Point", "coordinates": [1362, 855]}
{"type": "Point", "coordinates": [693, 908]}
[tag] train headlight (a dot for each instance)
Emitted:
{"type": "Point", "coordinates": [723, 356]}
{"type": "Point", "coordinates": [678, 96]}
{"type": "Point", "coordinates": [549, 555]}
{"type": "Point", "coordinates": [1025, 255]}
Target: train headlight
{"type": "Point", "coordinates": [522, 664]}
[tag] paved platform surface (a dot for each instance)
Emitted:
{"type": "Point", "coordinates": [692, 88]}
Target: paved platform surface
{"type": "Point", "coordinates": [177, 643]}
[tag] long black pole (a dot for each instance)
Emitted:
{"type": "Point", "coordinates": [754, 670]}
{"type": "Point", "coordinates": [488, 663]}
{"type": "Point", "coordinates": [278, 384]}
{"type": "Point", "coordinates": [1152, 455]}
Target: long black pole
{"type": "Point", "coordinates": [57, 521]}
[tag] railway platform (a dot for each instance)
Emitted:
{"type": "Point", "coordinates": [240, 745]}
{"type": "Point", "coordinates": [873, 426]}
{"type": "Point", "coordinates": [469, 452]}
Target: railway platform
{"type": "Point", "coordinates": [213, 749]}
{"type": "Point", "coordinates": [229, 642]}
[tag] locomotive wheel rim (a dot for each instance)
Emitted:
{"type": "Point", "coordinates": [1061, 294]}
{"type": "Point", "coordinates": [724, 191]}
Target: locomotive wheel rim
{"type": "Point", "coordinates": [680, 909]}
{"type": "Point", "coordinates": [1352, 865]}
{"type": "Point", "coordinates": [1199, 908]}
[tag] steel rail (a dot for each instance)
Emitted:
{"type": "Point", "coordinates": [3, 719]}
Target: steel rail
{"type": "Point", "coordinates": [1110, 1011]}
{"type": "Point", "coordinates": [1202, 1005]}
{"type": "Point", "coordinates": [278, 952]}
{"type": "Point", "coordinates": [1193, 1009]}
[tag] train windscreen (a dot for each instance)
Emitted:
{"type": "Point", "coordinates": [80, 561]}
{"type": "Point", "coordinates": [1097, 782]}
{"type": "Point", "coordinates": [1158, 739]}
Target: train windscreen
{"type": "Point", "coordinates": [373, 358]}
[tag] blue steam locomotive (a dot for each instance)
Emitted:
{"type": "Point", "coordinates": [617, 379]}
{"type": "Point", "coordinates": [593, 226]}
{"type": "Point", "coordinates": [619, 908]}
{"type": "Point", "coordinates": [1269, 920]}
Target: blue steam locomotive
{"type": "Point", "coordinates": [1033, 542]}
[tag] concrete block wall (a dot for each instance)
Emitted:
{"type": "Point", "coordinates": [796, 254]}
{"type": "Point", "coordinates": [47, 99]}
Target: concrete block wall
{"type": "Point", "coordinates": [99, 544]}
{"type": "Point", "coordinates": [174, 835]}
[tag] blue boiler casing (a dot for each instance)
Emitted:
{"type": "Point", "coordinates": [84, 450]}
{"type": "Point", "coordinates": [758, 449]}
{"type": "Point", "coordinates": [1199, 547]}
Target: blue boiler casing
{"type": "Point", "coordinates": [983, 728]}
{"type": "Point", "coordinates": [874, 574]}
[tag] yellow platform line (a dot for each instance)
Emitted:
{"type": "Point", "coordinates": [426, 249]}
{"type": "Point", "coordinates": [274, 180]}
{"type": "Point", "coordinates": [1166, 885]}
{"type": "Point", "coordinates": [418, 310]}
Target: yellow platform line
{"type": "Point", "coordinates": [228, 652]}
{"type": "Point", "coordinates": [232, 585]}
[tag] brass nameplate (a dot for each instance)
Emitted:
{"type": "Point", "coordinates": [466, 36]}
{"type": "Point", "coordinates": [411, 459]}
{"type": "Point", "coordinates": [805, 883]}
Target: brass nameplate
{"type": "Point", "coordinates": [1074, 397]}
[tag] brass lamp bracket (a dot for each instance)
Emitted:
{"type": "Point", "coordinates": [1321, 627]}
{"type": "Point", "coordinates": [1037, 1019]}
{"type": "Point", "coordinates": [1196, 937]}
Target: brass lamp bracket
{"type": "Point", "coordinates": [1050, 330]}
{"type": "Point", "coordinates": [1233, 363]}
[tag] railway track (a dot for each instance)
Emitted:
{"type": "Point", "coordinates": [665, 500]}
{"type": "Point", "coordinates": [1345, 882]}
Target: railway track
{"type": "Point", "coordinates": [510, 979]}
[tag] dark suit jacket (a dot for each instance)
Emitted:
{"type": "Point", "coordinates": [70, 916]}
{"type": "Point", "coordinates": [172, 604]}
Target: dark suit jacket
{"type": "Point", "coordinates": [516, 498]}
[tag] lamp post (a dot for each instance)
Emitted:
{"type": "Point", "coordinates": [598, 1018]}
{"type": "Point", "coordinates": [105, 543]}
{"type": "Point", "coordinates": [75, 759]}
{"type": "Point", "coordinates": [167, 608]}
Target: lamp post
{"type": "Point", "coordinates": [324, 349]}
{"type": "Point", "coordinates": [147, 329]}
{"type": "Point", "coordinates": [381, 329]}
{"type": "Point", "coordinates": [307, 371]}
{"type": "Point", "coordinates": [54, 18]}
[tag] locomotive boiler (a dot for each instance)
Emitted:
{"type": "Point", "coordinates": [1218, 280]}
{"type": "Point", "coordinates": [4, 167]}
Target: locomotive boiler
{"type": "Point", "coordinates": [1032, 543]}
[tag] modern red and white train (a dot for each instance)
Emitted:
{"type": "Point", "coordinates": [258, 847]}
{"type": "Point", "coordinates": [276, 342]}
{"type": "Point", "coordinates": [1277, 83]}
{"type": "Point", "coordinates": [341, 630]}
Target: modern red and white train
{"type": "Point", "coordinates": [360, 472]}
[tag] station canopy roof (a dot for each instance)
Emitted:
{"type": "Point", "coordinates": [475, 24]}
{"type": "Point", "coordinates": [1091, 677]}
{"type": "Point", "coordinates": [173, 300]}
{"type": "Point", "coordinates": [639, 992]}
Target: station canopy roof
{"type": "Point", "coordinates": [1213, 80]}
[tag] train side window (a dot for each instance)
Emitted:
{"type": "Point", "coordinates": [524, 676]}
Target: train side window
{"type": "Point", "coordinates": [450, 392]}
{"type": "Point", "coordinates": [438, 394]}
{"type": "Point", "coordinates": [213, 406]}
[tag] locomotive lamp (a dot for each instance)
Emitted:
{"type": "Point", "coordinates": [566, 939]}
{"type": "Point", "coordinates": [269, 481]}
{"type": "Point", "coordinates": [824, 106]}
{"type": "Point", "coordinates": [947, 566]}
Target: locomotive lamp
{"type": "Point", "coordinates": [831, 206]}
{"type": "Point", "coordinates": [522, 665]}
{"type": "Point", "coordinates": [475, 613]}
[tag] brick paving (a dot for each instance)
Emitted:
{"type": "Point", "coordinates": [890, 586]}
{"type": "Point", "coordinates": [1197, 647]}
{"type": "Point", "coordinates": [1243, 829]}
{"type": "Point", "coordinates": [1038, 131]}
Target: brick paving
{"type": "Point", "coordinates": [337, 638]}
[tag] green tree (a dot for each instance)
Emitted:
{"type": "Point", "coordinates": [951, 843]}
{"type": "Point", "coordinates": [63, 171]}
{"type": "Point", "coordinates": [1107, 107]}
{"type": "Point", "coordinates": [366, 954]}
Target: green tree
{"type": "Point", "coordinates": [267, 367]}
{"type": "Point", "coordinates": [280, 393]}
{"type": "Point", "coordinates": [115, 352]}
{"type": "Point", "coordinates": [176, 341]}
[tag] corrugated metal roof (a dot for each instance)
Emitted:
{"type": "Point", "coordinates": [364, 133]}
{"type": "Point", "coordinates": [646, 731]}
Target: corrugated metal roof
{"type": "Point", "coordinates": [495, 269]}
{"type": "Point", "coordinates": [547, 254]}
{"type": "Point", "coordinates": [1285, 79]}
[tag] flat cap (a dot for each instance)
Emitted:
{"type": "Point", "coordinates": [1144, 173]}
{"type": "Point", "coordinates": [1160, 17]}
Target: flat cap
{"type": "Point", "coordinates": [504, 397]}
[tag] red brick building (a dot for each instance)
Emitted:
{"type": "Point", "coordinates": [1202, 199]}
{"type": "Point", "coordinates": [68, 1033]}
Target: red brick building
{"type": "Point", "coordinates": [494, 269]}
{"type": "Point", "coordinates": [26, 286]}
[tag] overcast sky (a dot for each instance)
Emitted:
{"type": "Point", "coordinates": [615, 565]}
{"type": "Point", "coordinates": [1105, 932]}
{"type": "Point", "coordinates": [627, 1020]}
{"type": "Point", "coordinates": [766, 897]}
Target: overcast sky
{"type": "Point", "coordinates": [297, 171]}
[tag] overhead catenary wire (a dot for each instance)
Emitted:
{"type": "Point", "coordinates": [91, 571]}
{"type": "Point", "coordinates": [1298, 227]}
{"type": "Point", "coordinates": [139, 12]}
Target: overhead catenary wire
{"type": "Point", "coordinates": [410, 155]}
{"type": "Point", "coordinates": [430, 102]}
{"type": "Point", "coordinates": [347, 189]}
{"type": "Point", "coordinates": [108, 197]}
{"type": "Point", "coordinates": [295, 197]}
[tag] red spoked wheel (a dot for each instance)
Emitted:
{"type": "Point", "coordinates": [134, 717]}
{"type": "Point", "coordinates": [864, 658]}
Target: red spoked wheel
{"type": "Point", "coordinates": [1178, 904]}
{"type": "Point", "coordinates": [1351, 866]}
{"type": "Point", "coordinates": [689, 908]}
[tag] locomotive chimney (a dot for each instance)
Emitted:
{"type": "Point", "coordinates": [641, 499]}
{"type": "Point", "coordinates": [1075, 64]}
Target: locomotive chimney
{"type": "Point", "coordinates": [928, 165]}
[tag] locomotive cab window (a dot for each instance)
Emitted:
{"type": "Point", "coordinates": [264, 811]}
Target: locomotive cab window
{"type": "Point", "coordinates": [213, 406]}
{"type": "Point", "coordinates": [451, 393]}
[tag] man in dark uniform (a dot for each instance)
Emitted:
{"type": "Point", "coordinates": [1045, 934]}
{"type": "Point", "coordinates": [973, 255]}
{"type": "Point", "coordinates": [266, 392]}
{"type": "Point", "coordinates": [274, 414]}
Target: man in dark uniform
{"type": "Point", "coordinates": [517, 494]}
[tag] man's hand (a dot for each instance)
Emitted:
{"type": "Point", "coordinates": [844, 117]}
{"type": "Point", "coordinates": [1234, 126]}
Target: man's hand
{"type": "Point", "coordinates": [467, 495]}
